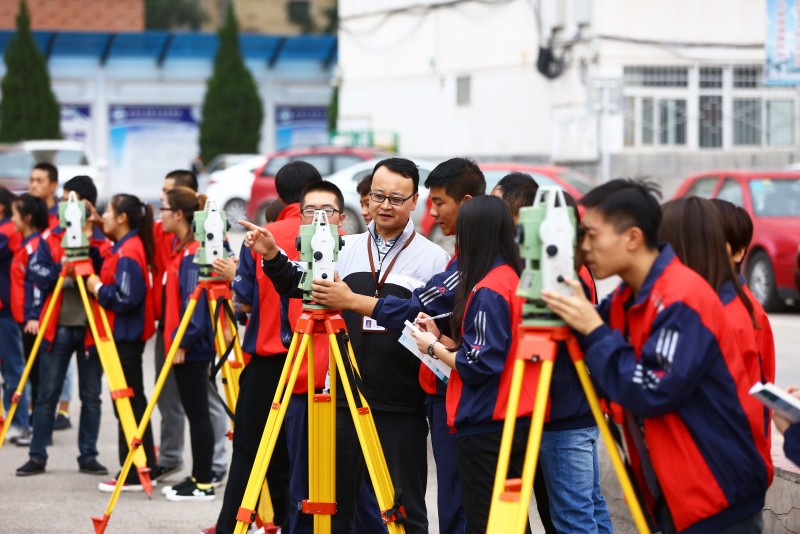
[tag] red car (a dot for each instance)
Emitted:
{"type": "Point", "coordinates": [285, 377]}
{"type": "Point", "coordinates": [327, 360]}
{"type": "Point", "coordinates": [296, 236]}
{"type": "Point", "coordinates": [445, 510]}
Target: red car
{"type": "Point", "coordinates": [773, 201]}
{"type": "Point", "coordinates": [327, 160]}
{"type": "Point", "coordinates": [570, 181]}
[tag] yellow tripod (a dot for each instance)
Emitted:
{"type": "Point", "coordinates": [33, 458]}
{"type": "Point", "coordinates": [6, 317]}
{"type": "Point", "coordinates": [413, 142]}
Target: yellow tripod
{"type": "Point", "coordinates": [321, 501]}
{"type": "Point", "coordinates": [77, 268]}
{"type": "Point", "coordinates": [218, 294]}
{"type": "Point", "coordinates": [538, 345]}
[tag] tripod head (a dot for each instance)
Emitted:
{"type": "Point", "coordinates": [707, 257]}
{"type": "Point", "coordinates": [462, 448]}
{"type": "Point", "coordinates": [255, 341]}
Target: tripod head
{"type": "Point", "coordinates": [72, 218]}
{"type": "Point", "coordinates": [210, 227]}
{"type": "Point", "coordinates": [319, 244]}
{"type": "Point", "coordinates": [547, 237]}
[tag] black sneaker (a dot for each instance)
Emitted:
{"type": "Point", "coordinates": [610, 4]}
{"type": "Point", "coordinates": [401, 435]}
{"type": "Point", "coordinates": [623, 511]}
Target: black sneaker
{"type": "Point", "coordinates": [31, 467]}
{"type": "Point", "coordinates": [187, 482]}
{"type": "Point", "coordinates": [192, 493]}
{"type": "Point", "coordinates": [160, 472]}
{"type": "Point", "coordinates": [217, 477]}
{"type": "Point", "coordinates": [93, 467]}
{"type": "Point", "coordinates": [62, 421]}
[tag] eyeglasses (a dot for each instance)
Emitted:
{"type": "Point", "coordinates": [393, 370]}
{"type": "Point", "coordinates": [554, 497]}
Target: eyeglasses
{"type": "Point", "coordinates": [379, 198]}
{"type": "Point", "coordinates": [309, 212]}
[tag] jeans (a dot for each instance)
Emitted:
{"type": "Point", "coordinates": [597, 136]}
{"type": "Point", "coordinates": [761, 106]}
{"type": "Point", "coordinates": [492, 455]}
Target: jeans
{"type": "Point", "coordinates": [572, 475]}
{"type": "Point", "coordinates": [66, 389]}
{"type": "Point", "coordinates": [52, 369]}
{"type": "Point", "coordinates": [12, 363]}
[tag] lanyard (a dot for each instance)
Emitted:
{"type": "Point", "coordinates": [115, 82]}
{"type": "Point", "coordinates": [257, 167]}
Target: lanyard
{"type": "Point", "coordinates": [379, 284]}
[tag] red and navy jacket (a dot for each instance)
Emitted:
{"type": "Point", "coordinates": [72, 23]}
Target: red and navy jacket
{"type": "Point", "coordinates": [127, 292]}
{"type": "Point", "coordinates": [10, 242]}
{"type": "Point", "coordinates": [164, 254]}
{"type": "Point", "coordinates": [667, 355]}
{"type": "Point", "coordinates": [182, 276]}
{"type": "Point", "coordinates": [99, 247]}
{"type": "Point", "coordinates": [272, 316]}
{"type": "Point", "coordinates": [31, 264]}
{"type": "Point", "coordinates": [758, 352]}
{"type": "Point", "coordinates": [567, 405]}
{"type": "Point", "coordinates": [477, 392]}
{"type": "Point", "coordinates": [53, 220]}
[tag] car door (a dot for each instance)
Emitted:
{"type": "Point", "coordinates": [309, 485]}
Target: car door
{"type": "Point", "coordinates": [731, 190]}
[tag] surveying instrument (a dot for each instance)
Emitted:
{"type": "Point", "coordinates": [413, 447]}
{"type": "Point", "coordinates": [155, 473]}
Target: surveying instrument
{"type": "Point", "coordinates": [547, 237]}
{"type": "Point", "coordinates": [210, 227]}
{"type": "Point", "coordinates": [77, 265]}
{"type": "Point", "coordinates": [319, 244]}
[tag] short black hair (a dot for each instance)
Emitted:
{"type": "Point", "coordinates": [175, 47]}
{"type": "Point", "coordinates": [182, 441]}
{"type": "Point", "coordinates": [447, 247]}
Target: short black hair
{"type": "Point", "coordinates": [183, 178]}
{"type": "Point", "coordinates": [83, 186]}
{"type": "Point", "coordinates": [519, 190]}
{"type": "Point", "coordinates": [28, 204]}
{"type": "Point", "coordinates": [459, 177]}
{"type": "Point", "coordinates": [402, 166]}
{"type": "Point", "coordinates": [50, 169]}
{"type": "Point", "coordinates": [323, 187]}
{"type": "Point", "coordinates": [364, 185]}
{"type": "Point", "coordinates": [626, 203]}
{"type": "Point", "coordinates": [6, 198]}
{"type": "Point", "coordinates": [292, 178]}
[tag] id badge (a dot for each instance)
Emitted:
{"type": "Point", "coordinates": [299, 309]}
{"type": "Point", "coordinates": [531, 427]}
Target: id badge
{"type": "Point", "coordinates": [368, 324]}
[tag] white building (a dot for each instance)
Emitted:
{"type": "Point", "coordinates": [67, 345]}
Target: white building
{"type": "Point", "coordinates": [660, 88]}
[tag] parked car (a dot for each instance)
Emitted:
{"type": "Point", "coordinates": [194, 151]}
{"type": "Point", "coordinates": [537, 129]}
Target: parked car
{"type": "Point", "coordinates": [570, 181]}
{"type": "Point", "coordinates": [221, 163]}
{"type": "Point", "coordinates": [347, 180]}
{"type": "Point", "coordinates": [15, 168]}
{"type": "Point", "coordinates": [230, 188]}
{"type": "Point", "coordinates": [773, 201]}
{"type": "Point", "coordinates": [327, 159]}
{"type": "Point", "coordinates": [72, 158]}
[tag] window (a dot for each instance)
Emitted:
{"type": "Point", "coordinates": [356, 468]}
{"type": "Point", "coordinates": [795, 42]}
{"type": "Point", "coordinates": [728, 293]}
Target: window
{"type": "Point", "coordinates": [775, 198]}
{"type": "Point", "coordinates": [344, 161]}
{"type": "Point", "coordinates": [711, 78]}
{"type": "Point", "coordinates": [656, 76]}
{"type": "Point", "coordinates": [630, 121]}
{"type": "Point", "coordinates": [274, 165]}
{"type": "Point", "coordinates": [747, 77]}
{"type": "Point", "coordinates": [61, 157]}
{"type": "Point", "coordinates": [672, 122]}
{"type": "Point", "coordinates": [746, 121]}
{"type": "Point", "coordinates": [322, 162]}
{"type": "Point", "coordinates": [648, 121]}
{"type": "Point", "coordinates": [780, 122]}
{"type": "Point", "coordinates": [703, 187]}
{"type": "Point", "coordinates": [731, 191]}
{"type": "Point", "coordinates": [710, 121]}
{"type": "Point", "coordinates": [462, 91]}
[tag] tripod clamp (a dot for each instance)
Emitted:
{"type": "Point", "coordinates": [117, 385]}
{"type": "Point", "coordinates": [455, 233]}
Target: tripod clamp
{"type": "Point", "coordinates": [397, 512]}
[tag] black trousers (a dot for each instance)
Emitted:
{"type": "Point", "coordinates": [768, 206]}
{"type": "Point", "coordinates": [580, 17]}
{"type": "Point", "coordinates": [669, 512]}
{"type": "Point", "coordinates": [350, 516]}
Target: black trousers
{"type": "Point", "coordinates": [403, 438]}
{"type": "Point", "coordinates": [192, 381]}
{"type": "Point", "coordinates": [27, 345]}
{"type": "Point", "coordinates": [130, 357]}
{"type": "Point", "coordinates": [477, 464]}
{"type": "Point", "coordinates": [257, 386]}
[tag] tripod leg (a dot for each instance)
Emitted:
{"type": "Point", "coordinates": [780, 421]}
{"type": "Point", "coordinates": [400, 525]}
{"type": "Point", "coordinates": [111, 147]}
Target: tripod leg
{"type": "Point", "coordinates": [511, 497]}
{"type": "Point", "coordinates": [120, 392]}
{"type": "Point", "coordinates": [280, 401]}
{"type": "Point", "coordinates": [231, 388]}
{"type": "Point", "coordinates": [370, 443]}
{"type": "Point", "coordinates": [101, 522]}
{"type": "Point", "coordinates": [616, 459]}
{"type": "Point", "coordinates": [31, 358]}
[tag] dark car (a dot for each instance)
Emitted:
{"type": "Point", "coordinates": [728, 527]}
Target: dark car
{"type": "Point", "coordinates": [773, 201]}
{"type": "Point", "coordinates": [327, 160]}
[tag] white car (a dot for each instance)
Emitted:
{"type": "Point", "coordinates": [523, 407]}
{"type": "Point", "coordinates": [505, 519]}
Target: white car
{"type": "Point", "coordinates": [347, 180]}
{"type": "Point", "coordinates": [72, 158]}
{"type": "Point", "coordinates": [230, 188]}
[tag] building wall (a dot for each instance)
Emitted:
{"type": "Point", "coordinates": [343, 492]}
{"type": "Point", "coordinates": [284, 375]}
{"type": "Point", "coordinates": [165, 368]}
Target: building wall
{"type": "Point", "coordinates": [77, 15]}
{"type": "Point", "coordinates": [401, 73]}
{"type": "Point", "coordinates": [264, 16]}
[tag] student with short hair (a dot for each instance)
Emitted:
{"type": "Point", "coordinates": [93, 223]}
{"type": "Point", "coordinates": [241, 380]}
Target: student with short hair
{"type": "Point", "coordinates": [363, 188]}
{"type": "Point", "coordinates": [656, 347]}
{"type": "Point", "coordinates": [44, 184]}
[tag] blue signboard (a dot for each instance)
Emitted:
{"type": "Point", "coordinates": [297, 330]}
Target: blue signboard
{"type": "Point", "coordinates": [783, 42]}
{"type": "Point", "coordinates": [300, 126]}
{"type": "Point", "coordinates": [76, 123]}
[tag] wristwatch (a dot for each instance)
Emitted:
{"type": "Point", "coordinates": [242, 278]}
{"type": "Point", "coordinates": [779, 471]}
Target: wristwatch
{"type": "Point", "coordinates": [430, 349]}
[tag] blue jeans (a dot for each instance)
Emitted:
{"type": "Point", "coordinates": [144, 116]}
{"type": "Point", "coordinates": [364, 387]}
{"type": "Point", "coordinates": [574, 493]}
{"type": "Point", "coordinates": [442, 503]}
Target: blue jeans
{"type": "Point", "coordinates": [52, 370]}
{"type": "Point", "coordinates": [571, 473]}
{"type": "Point", "coordinates": [12, 363]}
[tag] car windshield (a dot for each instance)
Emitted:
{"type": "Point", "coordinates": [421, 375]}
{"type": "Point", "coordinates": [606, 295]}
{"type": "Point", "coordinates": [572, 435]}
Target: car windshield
{"type": "Point", "coordinates": [15, 164]}
{"type": "Point", "coordinates": [775, 197]}
{"type": "Point", "coordinates": [578, 181]}
{"type": "Point", "coordinates": [60, 157]}
{"type": "Point", "coordinates": [492, 177]}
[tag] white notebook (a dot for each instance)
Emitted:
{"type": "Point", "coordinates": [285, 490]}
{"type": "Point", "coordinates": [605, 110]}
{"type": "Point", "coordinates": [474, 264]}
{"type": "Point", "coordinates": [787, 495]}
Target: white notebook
{"type": "Point", "coordinates": [784, 403]}
{"type": "Point", "coordinates": [439, 368]}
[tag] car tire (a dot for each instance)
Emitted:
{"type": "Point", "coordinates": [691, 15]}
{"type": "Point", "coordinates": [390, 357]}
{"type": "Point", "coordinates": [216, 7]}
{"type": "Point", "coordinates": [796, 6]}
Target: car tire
{"type": "Point", "coordinates": [236, 209]}
{"type": "Point", "coordinates": [448, 243]}
{"type": "Point", "coordinates": [761, 281]}
{"type": "Point", "coordinates": [353, 223]}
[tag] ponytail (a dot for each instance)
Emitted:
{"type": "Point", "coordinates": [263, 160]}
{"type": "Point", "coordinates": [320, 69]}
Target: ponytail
{"type": "Point", "coordinates": [140, 218]}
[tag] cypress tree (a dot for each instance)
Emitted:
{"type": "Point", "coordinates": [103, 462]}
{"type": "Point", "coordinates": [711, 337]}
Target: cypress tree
{"type": "Point", "coordinates": [232, 110]}
{"type": "Point", "coordinates": [29, 109]}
